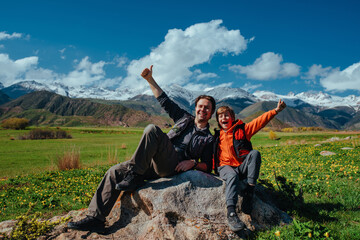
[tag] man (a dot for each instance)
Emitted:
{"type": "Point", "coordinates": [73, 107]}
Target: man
{"type": "Point", "coordinates": [157, 155]}
{"type": "Point", "coordinates": [236, 160]}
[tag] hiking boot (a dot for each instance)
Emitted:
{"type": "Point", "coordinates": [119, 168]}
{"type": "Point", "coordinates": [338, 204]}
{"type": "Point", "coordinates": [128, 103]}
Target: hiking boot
{"type": "Point", "coordinates": [88, 224]}
{"type": "Point", "coordinates": [235, 223]}
{"type": "Point", "coordinates": [131, 182]}
{"type": "Point", "coordinates": [248, 197]}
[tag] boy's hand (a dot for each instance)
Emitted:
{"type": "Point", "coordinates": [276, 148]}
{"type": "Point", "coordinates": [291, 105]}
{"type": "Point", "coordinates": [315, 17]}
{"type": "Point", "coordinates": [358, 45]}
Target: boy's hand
{"type": "Point", "coordinates": [281, 105]}
{"type": "Point", "coordinates": [147, 73]}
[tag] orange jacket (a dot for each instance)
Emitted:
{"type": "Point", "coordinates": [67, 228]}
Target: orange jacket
{"type": "Point", "coordinates": [226, 152]}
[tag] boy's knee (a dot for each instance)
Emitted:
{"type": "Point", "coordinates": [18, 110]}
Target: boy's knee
{"type": "Point", "coordinates": [256, 155]}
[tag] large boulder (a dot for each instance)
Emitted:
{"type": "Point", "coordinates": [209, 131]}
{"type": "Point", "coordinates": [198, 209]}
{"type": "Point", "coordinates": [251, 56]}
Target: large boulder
{"type": "Point", "coordinates": [190, 205]}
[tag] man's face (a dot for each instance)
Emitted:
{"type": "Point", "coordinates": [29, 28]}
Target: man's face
{"type": "Point", "coordinates": [203, 110]}
{"type": "Point", "coordinates": [225, 120]}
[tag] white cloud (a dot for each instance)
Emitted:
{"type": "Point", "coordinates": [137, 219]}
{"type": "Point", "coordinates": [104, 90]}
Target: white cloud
{"type": "Point", "coordinates": [317, 71]}
{"type": "Point", "coordinates": [4, 35]}
{"type": "Point", "coordinates": [183, 49]}
{"type": "Point", "coordinates": [2, 46]}
{"type": "Point", "coordinates": [268, 66]}
{"type": "Point", "coordinates": [41, 75]}
{"type": "Point", "coordinates": [199, 75]}
{"type": "Point", "coordinates": [85, 73]}
{"type": "Point", "coordinates": [348, 79]}
{"type": "Point", "coordinates": [204, 87]}
{"type": "Point", "coordinates": [120, 61]}
{"type": "Point", "coordinates": [61, 51]}
{"type": "Point", "coordinates": [12, 71]}
{"type": "Point", "coordinates": [249, 87]}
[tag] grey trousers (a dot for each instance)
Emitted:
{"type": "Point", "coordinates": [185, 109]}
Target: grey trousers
{"type": "Point", "coordinates": [154, 157]}
{"type": "Point", "coordinates": [232, 176]}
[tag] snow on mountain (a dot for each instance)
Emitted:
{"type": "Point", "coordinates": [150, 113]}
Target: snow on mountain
{"type": "Point", "coordinates": [313, 98]}
{"type": "Point", "coordinates": [177, 92]}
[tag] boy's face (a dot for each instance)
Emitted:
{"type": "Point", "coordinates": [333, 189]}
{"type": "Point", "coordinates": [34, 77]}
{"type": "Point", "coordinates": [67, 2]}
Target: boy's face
{"type": "Point", "coordinates": [225, 120]}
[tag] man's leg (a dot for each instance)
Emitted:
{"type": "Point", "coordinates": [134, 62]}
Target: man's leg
{"type": "Point", "coordinates": [103, 200]}
{"type": "Point", "coordinates": [156, 151]}
{"type": "Point", "coordinates": [249, 170]}
{"type": "Point", "coordinates": [231, 178]}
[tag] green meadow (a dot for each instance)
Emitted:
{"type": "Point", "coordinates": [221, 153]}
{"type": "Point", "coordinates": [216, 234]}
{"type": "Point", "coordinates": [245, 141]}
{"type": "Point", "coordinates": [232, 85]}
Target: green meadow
{"type": "Point", "coordinates": [322, 193]}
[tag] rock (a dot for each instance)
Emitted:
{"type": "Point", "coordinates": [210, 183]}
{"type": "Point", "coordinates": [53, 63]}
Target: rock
{"type": "Point", "coordinates": [347, 148]}
{"type": "Point", "coordinates": [190, 205]}
{"type": "Point", "coordinates": [6, 227]}
{"type": "Point", "coordinates": [333, 139]}
{"type": "Point", "coordinates": [317, 145]}
{"type": "Point", "coordinates": [327, 153]}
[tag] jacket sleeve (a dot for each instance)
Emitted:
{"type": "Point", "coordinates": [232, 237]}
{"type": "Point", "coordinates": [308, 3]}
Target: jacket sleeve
{"type": "Point", "coordinates": [207, 156]}
{"type": "Point", "coordinates": [174, 111]}
{"type": "Point", "coordinates": [258, 123]}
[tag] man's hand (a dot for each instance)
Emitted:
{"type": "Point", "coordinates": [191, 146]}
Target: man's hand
{"type": "Point", "coordinates": [281, 105]}
{"type": "Point", "coordinates": [185, 165]}
{"type": "Point", "coordinates": [147, 73]}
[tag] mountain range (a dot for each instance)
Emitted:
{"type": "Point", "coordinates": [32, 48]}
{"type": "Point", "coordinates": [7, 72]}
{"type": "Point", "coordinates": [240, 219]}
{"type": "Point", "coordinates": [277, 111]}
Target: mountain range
{"type": "Point", "coordinates": [304, 109]}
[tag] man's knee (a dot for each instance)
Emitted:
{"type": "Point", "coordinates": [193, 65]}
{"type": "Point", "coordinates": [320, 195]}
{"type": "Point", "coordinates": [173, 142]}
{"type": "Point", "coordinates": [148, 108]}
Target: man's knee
{"type": "Point", "coordinates": [117, 171]}
{"type": "Point", "coordinates": [151, 128]}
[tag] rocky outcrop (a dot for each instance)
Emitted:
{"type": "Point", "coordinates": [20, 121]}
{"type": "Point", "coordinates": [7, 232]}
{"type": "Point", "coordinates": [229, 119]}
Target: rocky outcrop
{"type": "Point", "coordinates": [190, 205]}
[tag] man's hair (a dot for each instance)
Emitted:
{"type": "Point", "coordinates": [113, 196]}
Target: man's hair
{"type": "Point", "coordinates": [210, 98]}
{"type": "Point", "coordinates": [224, 109]}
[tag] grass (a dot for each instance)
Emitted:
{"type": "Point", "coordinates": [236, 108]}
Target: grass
{"type": "Point", "coordinates": [330, 184]}
{"type": "Point", "coordinates": [20, 157]}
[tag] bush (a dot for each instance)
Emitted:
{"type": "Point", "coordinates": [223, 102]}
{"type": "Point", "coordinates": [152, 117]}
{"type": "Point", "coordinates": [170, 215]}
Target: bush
{"type": "Point", "coordinates": [272, 135]}
{"type": "Point", "coordinates": [15, 123]}
{"type": "Point", "coordinates": [45, 133]}
{"type": "Point", "coordinates": [70, 160]}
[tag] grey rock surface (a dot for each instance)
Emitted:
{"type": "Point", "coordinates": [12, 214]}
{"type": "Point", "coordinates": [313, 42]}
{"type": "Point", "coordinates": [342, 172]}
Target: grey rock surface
{"type": "Point", "coordinates": [190, 205]}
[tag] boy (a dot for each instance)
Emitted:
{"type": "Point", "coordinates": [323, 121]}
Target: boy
{"type": "Point", "coordinates": [235, 160]}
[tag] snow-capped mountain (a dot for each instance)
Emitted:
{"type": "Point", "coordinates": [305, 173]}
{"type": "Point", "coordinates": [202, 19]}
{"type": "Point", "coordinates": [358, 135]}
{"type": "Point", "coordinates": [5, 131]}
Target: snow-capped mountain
{"type": "Point", "coordinates": [313, 98]}
{"type": "Point", "coordinates": [187, 96]}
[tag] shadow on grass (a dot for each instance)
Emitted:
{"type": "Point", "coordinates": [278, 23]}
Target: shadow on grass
{"type": "Point", "coordinates": [291, 201]}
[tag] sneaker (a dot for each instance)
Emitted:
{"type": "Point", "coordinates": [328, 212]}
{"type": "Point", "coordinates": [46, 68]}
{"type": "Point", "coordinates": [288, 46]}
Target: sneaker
{"type": "Point", "coordinates": [88, 224]}
{"type": "Point", "coordinates": [248, 197]}
{"type": "Point", "coordinates": [235, 223]}
{"type": "Point", "coordinates": [131, 182]}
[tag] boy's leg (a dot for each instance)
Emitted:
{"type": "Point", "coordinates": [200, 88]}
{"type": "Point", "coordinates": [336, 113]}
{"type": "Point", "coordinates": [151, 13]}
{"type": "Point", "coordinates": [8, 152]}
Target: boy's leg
{"type": "Point", "coordinates": [249, 169]}
{"type": "Point", "coordinates": [231, 178]}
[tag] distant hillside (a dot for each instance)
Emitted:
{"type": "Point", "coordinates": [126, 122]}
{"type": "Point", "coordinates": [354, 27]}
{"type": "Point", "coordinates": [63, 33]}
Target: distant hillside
{"type": "Point", "coordinates": [48, 108]}
{"type": "Point", "coordinates": [274, 123]}
{"type": "Point", "coordinates": [354, 123]}
{"type": "Point", "coordinates": [290, 116]}
{"type": "Point", "coordinates": [4, 98]}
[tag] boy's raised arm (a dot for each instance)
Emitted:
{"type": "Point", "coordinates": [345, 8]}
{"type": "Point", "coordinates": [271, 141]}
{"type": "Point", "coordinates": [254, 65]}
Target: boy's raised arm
{"type": "Point", "coordinates": [147, 75]}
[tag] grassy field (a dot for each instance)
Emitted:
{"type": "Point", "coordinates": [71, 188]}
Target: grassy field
{"type": "Point", "coordinates": [330, 185]}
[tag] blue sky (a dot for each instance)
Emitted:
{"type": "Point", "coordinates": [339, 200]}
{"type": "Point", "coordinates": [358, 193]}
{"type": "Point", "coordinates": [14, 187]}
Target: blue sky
{"type": "Point", "coordinates": [278, 46]}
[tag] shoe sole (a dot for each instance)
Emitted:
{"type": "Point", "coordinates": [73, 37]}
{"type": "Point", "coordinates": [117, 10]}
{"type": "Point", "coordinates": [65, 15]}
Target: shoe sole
{"type": "Point", "coordinates": [236, 229]}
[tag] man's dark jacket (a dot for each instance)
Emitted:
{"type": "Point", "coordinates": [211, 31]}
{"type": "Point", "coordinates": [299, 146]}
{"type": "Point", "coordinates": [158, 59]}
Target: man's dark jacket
{"type": "Point", "coordinates": [201, 143]}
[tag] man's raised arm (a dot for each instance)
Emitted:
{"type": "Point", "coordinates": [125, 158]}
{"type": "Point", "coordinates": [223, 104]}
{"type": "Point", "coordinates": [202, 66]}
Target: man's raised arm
{"type": "Point", "coordinates": [147, 75]}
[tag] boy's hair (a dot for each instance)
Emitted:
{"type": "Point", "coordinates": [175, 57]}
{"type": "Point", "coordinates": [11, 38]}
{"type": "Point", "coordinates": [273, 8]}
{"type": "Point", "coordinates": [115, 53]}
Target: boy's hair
{"type": "Point", "coordinates": [210, 98]}
{"type": "Point", "coordinates": [224, 109]}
